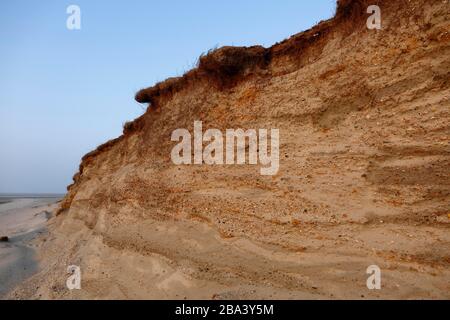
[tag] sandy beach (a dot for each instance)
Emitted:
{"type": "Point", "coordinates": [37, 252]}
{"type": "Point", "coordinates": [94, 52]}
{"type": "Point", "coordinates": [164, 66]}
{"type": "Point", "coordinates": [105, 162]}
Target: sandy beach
{"type": "Point", "coordinates": [21, 220]}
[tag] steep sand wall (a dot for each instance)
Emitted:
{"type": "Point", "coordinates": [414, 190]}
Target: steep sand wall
{"type": "Point", "coordinates": [364, 146]}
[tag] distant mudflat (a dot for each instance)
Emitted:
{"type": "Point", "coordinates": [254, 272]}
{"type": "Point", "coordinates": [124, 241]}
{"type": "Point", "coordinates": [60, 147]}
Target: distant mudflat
{"type": "Point", "coordinates": [22, 219]}
{"type": "Point", "coordinates": [10, 196]}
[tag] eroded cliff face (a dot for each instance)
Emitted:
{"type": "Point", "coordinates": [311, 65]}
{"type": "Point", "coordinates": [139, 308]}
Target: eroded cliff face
{"type": "Point", "coordinates": [364, 173]}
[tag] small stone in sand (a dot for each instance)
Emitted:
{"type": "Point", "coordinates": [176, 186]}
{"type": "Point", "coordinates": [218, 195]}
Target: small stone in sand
{"type": "Point", "coordinates": [4, 239]}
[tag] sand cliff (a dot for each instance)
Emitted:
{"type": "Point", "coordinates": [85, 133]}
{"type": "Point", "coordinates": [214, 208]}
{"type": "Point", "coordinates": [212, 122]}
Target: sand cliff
{"type": "Point", "coordinates": [364, 174]}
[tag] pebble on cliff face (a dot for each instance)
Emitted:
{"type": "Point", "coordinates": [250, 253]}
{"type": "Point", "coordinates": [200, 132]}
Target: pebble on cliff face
{"type": "Point", "coordinates": [4, 239]}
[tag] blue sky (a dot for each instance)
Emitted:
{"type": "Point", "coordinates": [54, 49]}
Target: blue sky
{"type": "Point", "coordinates": [64, 92]}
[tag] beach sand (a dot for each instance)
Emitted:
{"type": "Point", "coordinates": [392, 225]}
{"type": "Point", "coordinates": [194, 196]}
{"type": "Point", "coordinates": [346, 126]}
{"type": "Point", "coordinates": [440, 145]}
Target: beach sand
{"type": "Point", "coordinates": [21, 220]}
